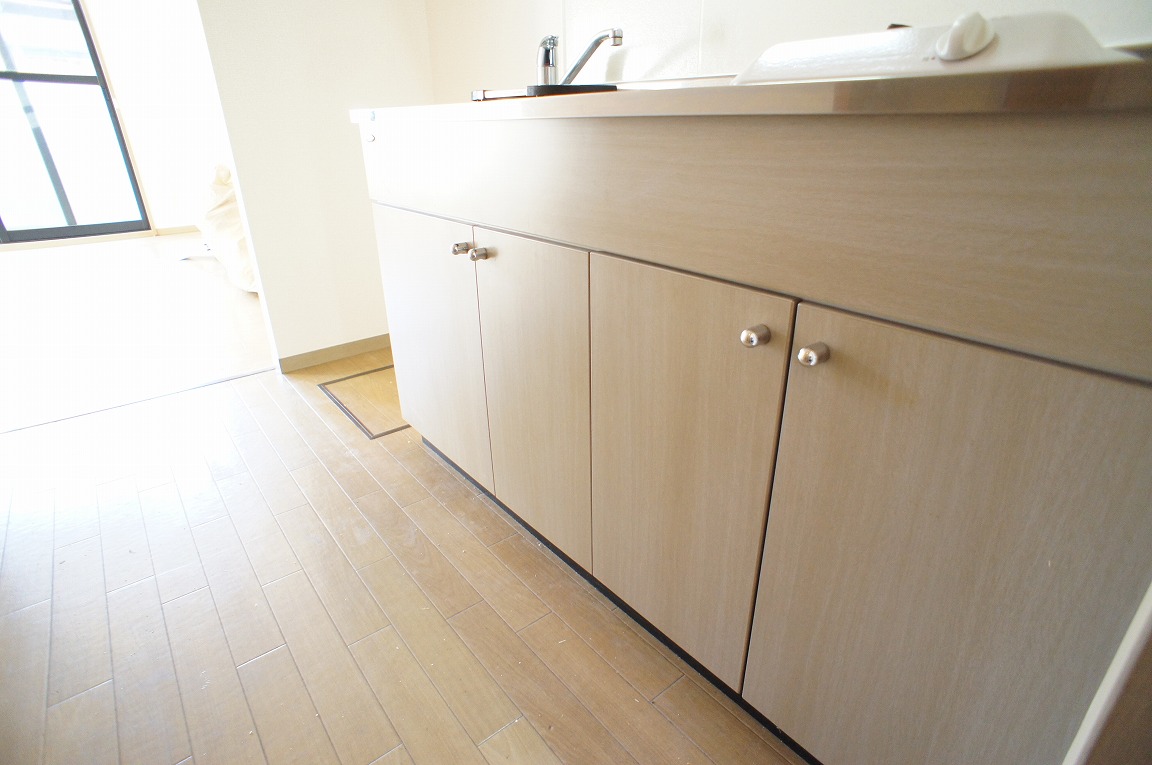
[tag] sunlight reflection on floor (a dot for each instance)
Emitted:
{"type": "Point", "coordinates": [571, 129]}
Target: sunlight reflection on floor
{"type": "Point", "coordinates": [89, 326]}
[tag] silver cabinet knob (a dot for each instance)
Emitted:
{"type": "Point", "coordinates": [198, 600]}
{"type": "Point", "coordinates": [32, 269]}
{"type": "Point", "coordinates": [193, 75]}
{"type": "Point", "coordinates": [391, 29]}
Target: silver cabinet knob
{"type": "Point", "coordinates": [371, 138]}
{"type": "Point", "coordinates": [754, 336]}
{"type": "Point", "coordinates": [461, 247]}
{"type": "Point", "coordinates": [478, 253]}
{"type": "Point", "coordinates": [811, 355]}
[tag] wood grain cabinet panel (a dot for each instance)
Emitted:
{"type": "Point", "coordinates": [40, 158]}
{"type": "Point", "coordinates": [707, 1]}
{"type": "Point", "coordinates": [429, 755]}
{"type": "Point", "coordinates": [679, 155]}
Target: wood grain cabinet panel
{"type": "Point", "coordinates": [492, 363]}
{"type": "Point", "coordinates": [534, 324]}
{"type": "Point", "coordinates": [434, 324]}
{"type": "Point", "coordinates": [957, 542]}
{"type": "Point", "coordinates": [684, 421]}
{"type": "Point", "coordinates": [957, 538]}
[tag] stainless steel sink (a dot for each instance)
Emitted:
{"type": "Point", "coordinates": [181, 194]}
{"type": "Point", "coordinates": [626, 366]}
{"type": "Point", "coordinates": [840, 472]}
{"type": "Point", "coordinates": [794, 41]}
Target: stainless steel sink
{"type": "Point", "coordinates": [705, 81]}
{"type": "Point", "coordinates": [534, 91]}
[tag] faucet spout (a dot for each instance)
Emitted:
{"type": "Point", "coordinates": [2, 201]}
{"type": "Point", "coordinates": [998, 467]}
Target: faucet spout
{"type": "Point", "coordinates": [546, 72]}
{"type": "Point", "coordinates": [615, 35]}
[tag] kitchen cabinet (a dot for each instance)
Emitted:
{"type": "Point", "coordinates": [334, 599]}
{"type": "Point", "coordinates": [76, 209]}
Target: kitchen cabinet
{"type": "Point", "coordinates": [957, 541]}
{"type": "Point", "coordinates": [958, 534]}
{"type": "Point", "coordinates": [492, 362]}
{"type": "Point", "coordinates": [534, 326]}
{"type": "Point", "coordinates": [684, 420]}
{"type": "Point", "coordinates": [434, 323]}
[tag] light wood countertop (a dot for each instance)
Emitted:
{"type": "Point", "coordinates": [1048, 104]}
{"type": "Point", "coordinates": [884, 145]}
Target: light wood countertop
{"type": "Point", "coordinates": [1094, 88]}
{"type": "Point", "coordinates": [1007, 209]}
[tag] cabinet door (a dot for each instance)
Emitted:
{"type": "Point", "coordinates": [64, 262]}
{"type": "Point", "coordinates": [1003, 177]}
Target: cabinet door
{"type": "Point", "coordinates": [683, 438]}
{"type": "Point", "coordinates": [534, 319]}
{"type": "Point", "coordinates": [957, 541]}
{"type": "Point", "coordinates": [435, 330]}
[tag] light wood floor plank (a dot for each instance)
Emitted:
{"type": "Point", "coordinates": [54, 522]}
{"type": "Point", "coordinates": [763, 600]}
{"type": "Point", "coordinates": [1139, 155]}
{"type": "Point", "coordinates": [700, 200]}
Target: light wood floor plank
{"type": "Point", "coordinates": [281, 434]}
{"type": "Point", "coordinates": [26, 571]}
{"type": "Point", "coordinates": [348, 602]}
{"type": "Point", "coordinates": [23, 683]}
{"type": "Point", "coordinates": [398, 756]}
{"type": "Point", "coordinates": [77, 515]}
{"type": "Point", "coordinates": [349, 474]}
{"type": "Point", "coordinates": [174, 556]}
{"type": "Point", "coordinates": [307, 387]}
{"type": "Point", "coordinates": [488, 524]}
{"type": "Point", "coordinates": [149, 716]}
{"type": "Point", "coordinates": [722, 737]}
{"type": "Point", "coordinates": [470, 692]}
{"type": "Point", "coordinates": [372, 398]}
{"type": "Point", "coordinates": [219, 722]}
{"type": "Point", "coordinates": [396, 480]}
{"type": "Point", "coordinates": [231, 411]}
{"type": "Point", "coordinates": [337, 421]}
{"type": "Point", "coordinates": [644, 732]}
{"type": "Point", "coordinates": [276, 484]}
{"type": "Point", "coordinates": [352, 532]}
{"type": "Point", "coordinates": [82, 729]}
{"type": "Point", "coordinates": [401, 441]}
{"type": "Point", "coordinates": [220, 453]}
{"type": "Point", "coordinates": [603, 629]}
{"type": "Point", "coordinates": [81, 651]}
{"type": "Point", "coordinates": [446, 587]}
{"type": "Point", "coordinates": [268, 550]}
{"type": "Point", "coordinates": [502, 589]}
{"type": "Point", "coordinates": [491, 684]}
{"type": "Point", "coordinates": [454, 471]}
{"type": "Point", "coordinates": [359, 729]}
{"type": "Point", "coordinates": [247, 620]}
{"type": "Point", "coordinates": [153, 476]}
{"type": "Point", "coordinates": [198, 492]}
{"type": "Point", "coordinates": [518, 744]}
{"type": "Point", "coordinates": [563, 721]}
{"type": "Point", "coordinates": [289, 726]}
{"type": "Point", "coordinates": [718, 696]}
{"type": "Point", "coordinates": [430, 731]}
{"type": "Point", "coordinates": [127, 558]}
{"type": "Point", "coordinates": [437, 479]}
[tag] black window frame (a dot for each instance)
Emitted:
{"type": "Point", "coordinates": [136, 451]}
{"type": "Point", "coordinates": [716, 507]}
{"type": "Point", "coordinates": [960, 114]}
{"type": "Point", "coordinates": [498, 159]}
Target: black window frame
{"type": "Point", "coordinates": [87, 229]}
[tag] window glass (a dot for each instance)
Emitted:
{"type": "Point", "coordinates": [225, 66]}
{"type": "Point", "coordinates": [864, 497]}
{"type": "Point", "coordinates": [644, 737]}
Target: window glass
{"type": "Point", "coordinates": [42, 37]}
{"type": "Point", "coordinates": [79, 134]}
{"type": "Point", "coordinates": [31, 201]}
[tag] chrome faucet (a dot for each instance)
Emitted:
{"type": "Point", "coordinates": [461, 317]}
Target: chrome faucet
{"type": "Point", "coordinates": [549, 49]}
{"type": "Point", "coordinates": [546, 61]}
{"type": "Point", "coordinates": [615, 35]}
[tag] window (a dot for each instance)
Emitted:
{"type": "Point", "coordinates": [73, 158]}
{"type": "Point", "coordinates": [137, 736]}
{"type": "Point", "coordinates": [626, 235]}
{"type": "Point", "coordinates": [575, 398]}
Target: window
{"type": "Point", "coordinates": [64, 170]}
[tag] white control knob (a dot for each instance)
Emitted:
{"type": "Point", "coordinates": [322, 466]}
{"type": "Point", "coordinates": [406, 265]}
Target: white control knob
{"type": "Point", "coordinates": [969, 34]}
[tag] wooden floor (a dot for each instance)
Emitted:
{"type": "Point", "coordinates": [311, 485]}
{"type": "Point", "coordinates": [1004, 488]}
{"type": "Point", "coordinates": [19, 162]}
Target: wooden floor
{"type": "Point", "coordinates": [88, 325]}
{"type": "Point", "coordinates": [236, 574]}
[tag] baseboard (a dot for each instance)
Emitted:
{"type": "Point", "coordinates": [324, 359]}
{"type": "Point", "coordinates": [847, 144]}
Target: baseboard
{"type": "Point", "coordinates": [97, 238]}
{"type": "Point", "coordinates": [334, 353]}
{"type": "Point", "coordinates": [76, 240]}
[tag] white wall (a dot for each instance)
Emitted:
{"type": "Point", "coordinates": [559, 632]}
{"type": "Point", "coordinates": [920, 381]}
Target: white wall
{"type": "Point", "coordinates": [683, 38]}
{"type": "Point", "coordinates": [478, 44]}
{"type": "Point", "coordinates": [288, 72]}
{"type": "Point", "coordinates": [161, 80]}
